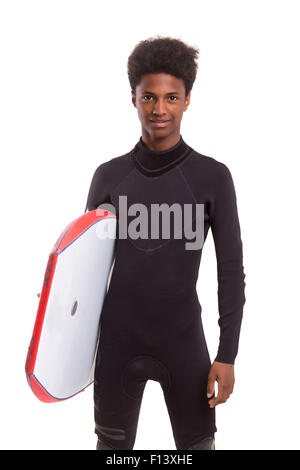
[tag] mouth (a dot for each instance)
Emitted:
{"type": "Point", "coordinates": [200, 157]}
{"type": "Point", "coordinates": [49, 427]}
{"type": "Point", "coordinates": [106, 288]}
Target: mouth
{"type": "Point", "coordinates": [159, 123]}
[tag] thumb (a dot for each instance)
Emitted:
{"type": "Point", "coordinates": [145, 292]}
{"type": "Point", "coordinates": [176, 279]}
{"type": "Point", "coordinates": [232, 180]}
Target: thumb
{"type": "Point", "coordinates": [210, 386]}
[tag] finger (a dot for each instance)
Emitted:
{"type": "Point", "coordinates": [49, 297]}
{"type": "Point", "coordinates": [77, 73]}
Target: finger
{"type": "Point", "coordinates": [212, 403]}
{"type": "Point", "coordinates": [227, 389]}
{"type": "Point", "coordinates": [210, 386]}
{"type": "Point", "coordinates": [216, 400]}
{"type": "Point", "coordinates": [222, 393]}
{"type": "Point", "coordinates": [222, 397]}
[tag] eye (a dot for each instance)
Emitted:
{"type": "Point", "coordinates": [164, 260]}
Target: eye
{"type": "Point", "coordinates": [147, 96]}
{"type": "Point", "coordinates": [173, 96]}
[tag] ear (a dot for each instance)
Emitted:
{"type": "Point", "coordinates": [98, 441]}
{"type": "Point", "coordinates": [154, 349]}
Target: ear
{"type": "Point", "coordinates": [187, 101]}
{"type": "Point", "coordinates": [133, 98]}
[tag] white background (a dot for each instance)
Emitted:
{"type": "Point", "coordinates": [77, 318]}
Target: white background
{"type": "Point", "coordinates": [66, 107]}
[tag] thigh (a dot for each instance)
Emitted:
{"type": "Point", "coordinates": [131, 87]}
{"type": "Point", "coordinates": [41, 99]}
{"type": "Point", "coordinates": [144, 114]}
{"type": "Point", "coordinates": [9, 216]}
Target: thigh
{"type": "Point", "coordinates": [191, 417]}
{"type": "Point", "coordinates": [116, 414]}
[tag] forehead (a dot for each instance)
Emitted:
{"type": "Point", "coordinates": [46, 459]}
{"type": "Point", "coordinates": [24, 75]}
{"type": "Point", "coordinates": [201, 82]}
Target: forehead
{"type": "Point", "coordinates": [160, 83]}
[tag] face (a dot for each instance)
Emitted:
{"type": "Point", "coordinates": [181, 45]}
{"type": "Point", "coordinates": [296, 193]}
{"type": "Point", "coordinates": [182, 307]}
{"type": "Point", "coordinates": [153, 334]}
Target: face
{"type": "Point", "coordinates": [160, 97]}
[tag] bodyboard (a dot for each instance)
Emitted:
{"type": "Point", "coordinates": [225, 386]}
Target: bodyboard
{"type": "Point", "coordinates": [62, 350]}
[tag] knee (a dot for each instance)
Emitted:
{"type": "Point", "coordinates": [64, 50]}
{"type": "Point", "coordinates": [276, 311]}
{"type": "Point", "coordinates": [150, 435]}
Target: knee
{"type": "Point", "coordinates": [208, 443]}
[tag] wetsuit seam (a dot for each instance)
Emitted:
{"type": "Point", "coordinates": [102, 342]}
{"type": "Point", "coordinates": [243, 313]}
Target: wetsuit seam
{"type": "Point", "coordinates": [118, 184]}
{"type": "Point", "coordinates": [148, 357]}
{"type": "Point", "coordinates": [152, 249]}
{"type": "Point", "coordinates": [177, 167]}
{"type": "Point", "coordinates": [165, 167]}
{"type": "Point", "coordinates": [187, 183]}
{"type": "Point", "coordinates": [147, 173]}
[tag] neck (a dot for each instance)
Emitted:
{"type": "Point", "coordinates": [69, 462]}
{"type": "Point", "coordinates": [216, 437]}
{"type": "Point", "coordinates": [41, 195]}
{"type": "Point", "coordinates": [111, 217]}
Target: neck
{"type": "Point", "coordinates": [155, 162]}
{"type": "Point", "coordinates": [159, 144]}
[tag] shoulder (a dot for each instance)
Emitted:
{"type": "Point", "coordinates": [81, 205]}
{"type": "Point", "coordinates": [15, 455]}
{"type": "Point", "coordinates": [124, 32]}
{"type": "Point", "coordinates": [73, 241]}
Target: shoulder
{"type": "Point", "coordinates": [111, 172]}
{"type": "Point", "coordinates": [106, 177]}
{"type": "Point", "coordinates": [115, 165]}
{"type": "Point", "coordinates": [207, 168]}
{"type": "Point", "coordinates": [211, 164]}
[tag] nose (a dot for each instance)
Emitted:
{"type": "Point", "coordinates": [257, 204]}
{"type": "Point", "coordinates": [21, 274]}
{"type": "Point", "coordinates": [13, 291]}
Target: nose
{"type": "Point", "coordinates": [159, 107]}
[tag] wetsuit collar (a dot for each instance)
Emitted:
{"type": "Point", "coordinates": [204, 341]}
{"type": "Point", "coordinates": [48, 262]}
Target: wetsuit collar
{"type": "Point", "coordinates": [155, 162]}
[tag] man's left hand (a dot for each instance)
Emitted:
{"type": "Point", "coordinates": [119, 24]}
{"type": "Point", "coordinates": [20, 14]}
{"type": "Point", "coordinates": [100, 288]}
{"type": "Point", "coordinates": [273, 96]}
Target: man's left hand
{"type": "Point", "coordinates": [223, 374]}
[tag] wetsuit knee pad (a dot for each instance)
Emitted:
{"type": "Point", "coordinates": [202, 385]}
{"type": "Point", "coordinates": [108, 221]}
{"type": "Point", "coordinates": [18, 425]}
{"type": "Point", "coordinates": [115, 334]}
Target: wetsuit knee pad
{"type": "Point", "coordinates": [102, 446]}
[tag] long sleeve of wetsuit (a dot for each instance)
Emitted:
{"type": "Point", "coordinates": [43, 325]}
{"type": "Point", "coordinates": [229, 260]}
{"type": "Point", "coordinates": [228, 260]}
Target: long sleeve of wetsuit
{"type": "Point", "coordinates": [229, 253]}
{"type": "Point", "coordinates": [98, 192]}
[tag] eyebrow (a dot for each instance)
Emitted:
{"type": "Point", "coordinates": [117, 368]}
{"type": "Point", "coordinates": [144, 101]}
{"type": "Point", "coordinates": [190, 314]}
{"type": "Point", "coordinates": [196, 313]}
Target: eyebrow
{"type": "Point", "coordinates": [169, 93]}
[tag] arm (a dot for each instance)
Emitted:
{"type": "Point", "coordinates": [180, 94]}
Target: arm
{"type": "Point", "coordinates": [231, 285]}
{"type": "Point", "coordinates": [98, 192]}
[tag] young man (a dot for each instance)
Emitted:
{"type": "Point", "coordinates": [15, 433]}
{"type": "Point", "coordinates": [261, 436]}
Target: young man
{"type": "Point", "coordinates": [151, 324]}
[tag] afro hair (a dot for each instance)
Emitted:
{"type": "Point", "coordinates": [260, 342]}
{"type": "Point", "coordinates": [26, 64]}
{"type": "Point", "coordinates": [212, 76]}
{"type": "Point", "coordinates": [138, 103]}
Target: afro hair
{"type": "Point", "coordinates": [163, 55]}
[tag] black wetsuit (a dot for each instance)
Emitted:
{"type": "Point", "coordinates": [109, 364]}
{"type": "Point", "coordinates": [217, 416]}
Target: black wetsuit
{"type": "Point", "coordinates": [151, 324]}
